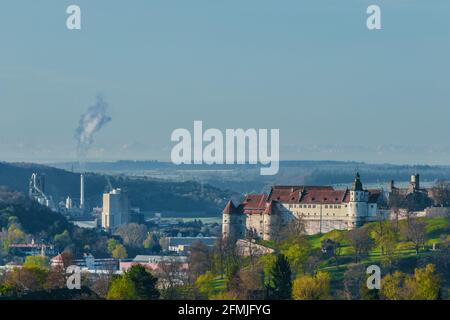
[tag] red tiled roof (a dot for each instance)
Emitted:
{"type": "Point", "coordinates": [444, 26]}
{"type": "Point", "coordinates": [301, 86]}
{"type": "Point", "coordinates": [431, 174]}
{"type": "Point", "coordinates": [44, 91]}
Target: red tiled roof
{"type": "Point", "coordinates": [254, 204]}
{"type": "Point", "coordinates": [308, 194]}
{"type": "Point", "coordinates": [229, 208]}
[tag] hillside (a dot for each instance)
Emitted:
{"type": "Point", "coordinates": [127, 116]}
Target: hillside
{"type": "Point", "coordinates": [184, 198]}
{"type": "Point", "coordinates": [247, 178]}
{"type": "Point", "coordinates": [34, 218]}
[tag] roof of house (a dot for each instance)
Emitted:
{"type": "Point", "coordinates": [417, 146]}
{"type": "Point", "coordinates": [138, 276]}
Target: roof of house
{"type": "Point", "coordinates": [265, 204]}
{"type": "Point", "coordinates": [308, 194]}
{"type": "Point", "coordinates": [158, 259]}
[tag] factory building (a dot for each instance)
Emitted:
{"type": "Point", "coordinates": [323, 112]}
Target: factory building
{"type": "Point", "coordinates": [36, 191]}
{"type": "Point", "coordinates": [116, 209]}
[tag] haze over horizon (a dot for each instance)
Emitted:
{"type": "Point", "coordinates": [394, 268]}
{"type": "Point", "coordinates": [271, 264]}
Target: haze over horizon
{"type": "Point", "coordinates": [311, 68]}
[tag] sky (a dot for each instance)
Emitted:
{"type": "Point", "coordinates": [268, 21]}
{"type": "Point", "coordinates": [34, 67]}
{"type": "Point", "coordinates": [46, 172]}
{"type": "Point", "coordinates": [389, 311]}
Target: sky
{"type": "Point", "coordinates": [311, 68]}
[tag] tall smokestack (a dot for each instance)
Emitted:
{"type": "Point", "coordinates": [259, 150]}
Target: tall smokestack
{"type": "Point", "coordinates": [82, 191]}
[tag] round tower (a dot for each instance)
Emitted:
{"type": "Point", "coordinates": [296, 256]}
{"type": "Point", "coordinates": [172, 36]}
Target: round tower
{"type": "Point", "coordinates": [357, 207]}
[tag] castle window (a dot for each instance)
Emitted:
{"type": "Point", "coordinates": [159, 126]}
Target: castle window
{"type": "Point", "coordinates": [314, 205]}
{"type": "Point", "coordinates": [309, 206]}
{"type": "Point", "coordinates": [326, 206]}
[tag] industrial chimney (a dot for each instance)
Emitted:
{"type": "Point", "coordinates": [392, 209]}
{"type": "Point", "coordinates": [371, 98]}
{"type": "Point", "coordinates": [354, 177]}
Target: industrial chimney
{"type": "Point", "coordinates": [82, 191]}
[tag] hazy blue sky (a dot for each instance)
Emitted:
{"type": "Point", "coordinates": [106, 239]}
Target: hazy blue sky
{"type": "Point", "coordinates": [311, 68]}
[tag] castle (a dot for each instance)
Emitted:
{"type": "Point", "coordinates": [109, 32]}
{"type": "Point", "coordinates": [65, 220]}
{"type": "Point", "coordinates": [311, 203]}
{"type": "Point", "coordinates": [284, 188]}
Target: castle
{"type": "Point", "coordinates": [321, 208]}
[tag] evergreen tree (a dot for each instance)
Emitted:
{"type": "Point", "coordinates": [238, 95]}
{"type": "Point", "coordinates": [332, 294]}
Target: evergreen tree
{"type": "Point", "coordinates": [144, 283]}
{"type": "Point", "coordinates": [281, 288]}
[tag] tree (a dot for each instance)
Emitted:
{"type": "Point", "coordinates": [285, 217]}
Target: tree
{"type": "Point", "coordinates": [355, 283]}
{"type": "Point", "coordinates": [152, 243]}
{"type": "Point", "coordinates": [386, 237]}
{"type": "Point", "coordinates": [441, 193]}
{"type": "Point", "coordinates": [315, 287]}
{"type": "Point", "coordinates": [15, 234]}
{"type": "Point", "coordinates": [62, 240]}
{"type": "Point", "coordinates": [248, 283]}
{"type": "Point", "coordinates": [297, 254]}
{"type": "Point", "coordinates": [267, 263]}
{"type": "Point", "coordinates": [36, 262]}
{"type": "Point", "coordinates": [122, 288]}
{"type": "Point", "coordinates": [392, 286]}
{"type": "Point", "coordinates": [360, 241]}
{"type": "Point", "coordinates": [199, 260]}
{"type": "Point", "coordinates": [423, 285]}
{"type": "Point", "coordinates": [26, 279]}
{"type": "Point", "coordinates": [294, 230]}
{"type": "Point", "coordinates": [103, 282]}
{"type": "Point", "coordinates": [132, 234]}
{"type": "Point", "coordinates": [172, 277]}
{"type": "Point", "coordinates": [111, 245]}
{"type": "Point", "coordinates": [205, 285]}
{"type": "Point", "coordinates": [415, 231]}
{"type": "Point", "coordinates": [119, 252]}
{"type": "Point", "coordinates": [4, 243]}
{"type": "Point", "coordinates": [395, 202]}
{"type": "Point", "coordinates": [67, 257]}
{"type": "Point", "coordinates": [281, 278]}
{"type": "Point", "coordinates": [144, 282]}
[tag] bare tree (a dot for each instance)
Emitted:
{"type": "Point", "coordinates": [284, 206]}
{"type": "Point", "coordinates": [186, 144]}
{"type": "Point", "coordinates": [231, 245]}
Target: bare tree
{"type": "Point", "coordinates": [360, 241]}
{"type": "Point", "coordinates": [415, 232]}
{"type": "Point", "coordinates": [132, 234]}
{"type": "Point", "coordinates": [441, 193]}
{"type": "Point", "coordinates": [395, 202]}
{"type": "Point", "coordinates": [199, 259]}
{"type": "Point", "coordinates": [171, 275]}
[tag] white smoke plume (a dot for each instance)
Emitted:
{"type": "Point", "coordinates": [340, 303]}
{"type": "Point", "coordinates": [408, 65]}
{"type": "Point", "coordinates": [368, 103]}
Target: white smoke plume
{"type": "Point", "coordinates": [90, 122]}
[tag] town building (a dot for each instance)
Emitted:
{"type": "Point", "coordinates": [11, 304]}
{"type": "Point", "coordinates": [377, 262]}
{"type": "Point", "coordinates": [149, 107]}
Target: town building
{"type": "Point", "coordinates": [154, 262]}
{"type": "Point", "coordinates": [181, 245]}
{"type": "Point", "coordinates": [320, 208]}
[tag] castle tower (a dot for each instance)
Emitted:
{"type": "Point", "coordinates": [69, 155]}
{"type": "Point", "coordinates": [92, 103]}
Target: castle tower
{"type": "Point", "coordinates": [414, 183]}
{"type": "Point", "coordinates": [357, 207]}
{"type": "Point", "coordinates": [233, 222]}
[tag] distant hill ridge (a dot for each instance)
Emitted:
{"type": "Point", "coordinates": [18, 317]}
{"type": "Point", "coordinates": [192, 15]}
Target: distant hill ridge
{"type": "Point", "coordinates": [146, 193]}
